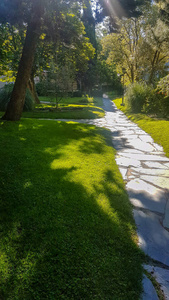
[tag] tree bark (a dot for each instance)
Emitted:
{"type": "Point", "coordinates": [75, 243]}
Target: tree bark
{"type": "Point", "coordinates": [16, 103]}
{"type": "Point", "coordinates": [32, 88]}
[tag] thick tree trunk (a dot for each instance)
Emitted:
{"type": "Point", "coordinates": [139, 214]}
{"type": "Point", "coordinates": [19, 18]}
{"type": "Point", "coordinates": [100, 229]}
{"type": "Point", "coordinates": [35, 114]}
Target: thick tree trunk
{"type": "Point", "coordinates": [15, 106]}
{"type": "Point", "coordinates": [32, 88]}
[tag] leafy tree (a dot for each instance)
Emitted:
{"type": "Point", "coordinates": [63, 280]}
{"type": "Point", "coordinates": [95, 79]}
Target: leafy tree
{"type": "Point", "coordinates": [140, 46]}
{"type": "Point", "coordinates": [36, 14]}
{"type": "Point", "coordinates": [122, 48]}
{"type": "Point", "coordinates": [11, 43]}
{"type": "Point", "coordinates": [117, 9]}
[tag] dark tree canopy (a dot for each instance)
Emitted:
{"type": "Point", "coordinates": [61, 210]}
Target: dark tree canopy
{"type": "Point", "coordinates": [117, 8]}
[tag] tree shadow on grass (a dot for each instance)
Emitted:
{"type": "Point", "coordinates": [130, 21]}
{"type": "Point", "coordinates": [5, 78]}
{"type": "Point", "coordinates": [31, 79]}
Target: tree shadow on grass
{"type": "Point", "coordinates": [58, 240]}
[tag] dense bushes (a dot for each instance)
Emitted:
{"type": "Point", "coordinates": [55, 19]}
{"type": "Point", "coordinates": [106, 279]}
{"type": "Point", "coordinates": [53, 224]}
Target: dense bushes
{"type": "Point", "coordinates": [136, 96]}
{"type": "Point", "coordinates": [143, 98]}
{"type": "Point", "coordinates": [42, 88]}
{"type": "Point", "coordinates": [5, 94]}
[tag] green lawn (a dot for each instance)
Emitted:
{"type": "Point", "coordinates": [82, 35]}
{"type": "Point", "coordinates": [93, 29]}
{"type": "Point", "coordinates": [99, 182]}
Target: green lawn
{"type": "Point", "coordinates": [74, 100]}
{"type": "Point", "coordinates": [67, 110]}
{"type": "Point", "coordinates": [158, 129]}
{"type": "Point", "coordinates": [66, 228]}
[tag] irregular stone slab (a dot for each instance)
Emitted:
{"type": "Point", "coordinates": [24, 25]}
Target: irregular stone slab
{"type": "Point", "coordinates": [144, 195]}
{"type": "Point", "coordinates": [123, 172]}
{"type": "Point", "coordinates": [140, 131]}
{"type": "Point", "coordinates": [126, 162]}
{"type": "Point", "coordinates": [156, 165]}
{"type": "Point", "coordinates": [167, 165]}
{"type": "Point", "coordinates": [132, 137]}
{"type": "Point", "coordinates": [166, 216]}
{"type": "Point", "coordinates": [153, 238]}
{"type": "Point", "coordinates": [138, 144]}
{"type": "Point", "coordinates": [153, 172]}
{"type": "Point", "coordinates": [146, 138]}
{"type": "Point", "coordinates": [161, 182]}
{"type": "Point", "coordinates": [149, 292]}
{"type": "Point", "coordinates": [158, 147]}
{"type": "Point", "coordinates": [131, 150]}
{"type": "Point", "coordinates": [127, 132]}
{"type": "Point", "coordinates": [145, 157]}
{"type": "Point", "coordinates": [161, 276]}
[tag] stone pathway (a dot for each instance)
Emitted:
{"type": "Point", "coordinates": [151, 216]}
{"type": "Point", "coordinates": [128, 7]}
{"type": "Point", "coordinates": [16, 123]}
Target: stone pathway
{"type": "Point", "coordinates": [145, 169]}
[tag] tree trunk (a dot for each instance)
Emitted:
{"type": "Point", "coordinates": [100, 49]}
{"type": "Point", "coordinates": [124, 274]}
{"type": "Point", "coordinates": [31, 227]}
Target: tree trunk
{"type": "Point", "coordinates": [32, 88]}
{"type": "Point", "coordinates": [15, 106]}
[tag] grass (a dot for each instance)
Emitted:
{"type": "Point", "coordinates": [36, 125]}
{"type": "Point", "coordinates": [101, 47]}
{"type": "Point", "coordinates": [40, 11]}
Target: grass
{"type": "Point", "coordinates": [158, 129]}
{"type": "Point", "coordinates": [67, 110]}
{"type": "Point", "coordinates": [66, 228]}
{"type": "Point", "coordinates": [74, 100]}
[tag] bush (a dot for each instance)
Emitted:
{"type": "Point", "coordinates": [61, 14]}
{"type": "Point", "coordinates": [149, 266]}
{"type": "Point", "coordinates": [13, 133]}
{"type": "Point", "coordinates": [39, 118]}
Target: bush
{"type": "Point", "coordinates": [158, 103]}
{"type": "Point", "coordinates": [143, 98]}
{"type": "Point", "coordinates": [42, 88]}
{"type": "Point", "coordinates": [77, 94]}
{"type": "Point", "coordinates": [5, 94]}
{"type": "Point", "coordinates": [97, 93]}
{"type": "Point", "coordinates": [137, 96]}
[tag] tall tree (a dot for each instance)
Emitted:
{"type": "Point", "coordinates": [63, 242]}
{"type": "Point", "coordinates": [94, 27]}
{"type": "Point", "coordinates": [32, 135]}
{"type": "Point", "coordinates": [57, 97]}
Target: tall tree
{"type": "Point", "coordinates": [36, 13]}
{"type": "Point", "coordinates": [140, 46]}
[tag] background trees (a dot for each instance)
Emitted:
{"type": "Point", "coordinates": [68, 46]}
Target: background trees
{"type": "Point", "coordinates": [54, 38]}
{"type": "Point", "coordinates": [140, 46]}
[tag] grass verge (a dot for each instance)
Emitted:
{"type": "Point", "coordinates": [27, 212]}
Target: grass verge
{"type": "Point", "coordinates": [67, 230]}
{"type": "Point", "coordinates": [158, 129]}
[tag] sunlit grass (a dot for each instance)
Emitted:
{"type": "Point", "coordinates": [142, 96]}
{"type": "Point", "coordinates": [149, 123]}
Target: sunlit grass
{"type": "Point", "coordinates": [158, 129]}
{"type": "Point", "coordinates": [74, 100]}
{"type": "Point", "coordinates": [67, 230]}
{"type": "Point", "coordinates": [71, 111]}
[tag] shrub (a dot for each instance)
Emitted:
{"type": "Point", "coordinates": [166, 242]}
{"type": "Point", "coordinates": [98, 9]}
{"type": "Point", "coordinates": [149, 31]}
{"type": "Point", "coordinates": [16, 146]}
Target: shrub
{"type": "Point", "coordinates": [77, 93]}
{"type": "Point", "coordinates": [158, 103]}
{"type": "Point", "coordinates": [42, 88]}
{"type": "Point", "coordinates": [143, 98]}
{"type": "Point", "coordinates": [5, 94]}
{"type": "Point", "coordinates": [97, 93]}
{"type": "Point", "coordinates": [137, 96]}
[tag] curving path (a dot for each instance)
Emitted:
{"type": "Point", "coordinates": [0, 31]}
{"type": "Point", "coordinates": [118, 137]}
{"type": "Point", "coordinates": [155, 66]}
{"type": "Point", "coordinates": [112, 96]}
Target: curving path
{"type": "Point", "coordinates": [145, 169]}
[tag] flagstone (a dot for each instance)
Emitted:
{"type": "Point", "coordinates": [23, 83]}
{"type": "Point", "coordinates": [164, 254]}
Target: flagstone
{"type": "Point", "coordinates": [154, 172]}
{"type": "Point", "coordinates": [146, 138]}
{"type": "Point", "coordinates": [162, 276]}
{"type": "Point", "coordinates": [148, 157]}
{"type": "Point", "coordinates": [166, 216]}
{"type": "Point", "coordinates": [126, 162]}
{"type": "Point", "coordinates": [153, 238]}
{"type": "Point", "coordinates": [159, 181]}
{"type": "Point", "coordinates": [147, 196]}
{"type": "Point", "coordinates": [156, 165]}
{"type": "Point", "coordinates": [149, 292]}
{"type": "Point", "coordinates": [138, 144]}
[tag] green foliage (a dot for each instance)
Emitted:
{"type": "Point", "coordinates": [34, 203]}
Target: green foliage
{"type": "Point", "coordinates": [157, 103]}
{"type": "Point", "coordinates": [77, 94]}
{"type": "Point", "coordinates": [158, 129]}
{"type": "Point", "coordinates": [42, 88]}
{"type": "Point", "coordinates": [67, 230]}
{"type": "Point", "coordinates": [136, 96]}
{"type": "Point", "coordinates": [5, 94]}
{"type": "Point", "coordinates": [144, 98]}
{"type": "Point", "coordinates": [163, 85]}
